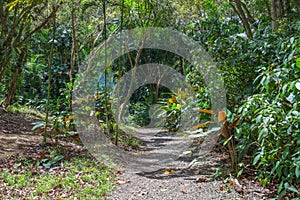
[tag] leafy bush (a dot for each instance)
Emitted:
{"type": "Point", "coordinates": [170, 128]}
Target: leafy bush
{"type": "Point", "coordinates": [270, 128]}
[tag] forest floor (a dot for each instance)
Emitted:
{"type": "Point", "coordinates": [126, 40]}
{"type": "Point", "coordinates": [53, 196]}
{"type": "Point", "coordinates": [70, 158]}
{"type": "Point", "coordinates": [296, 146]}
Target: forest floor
{"type": "Point", "coordinates": [208, 179]}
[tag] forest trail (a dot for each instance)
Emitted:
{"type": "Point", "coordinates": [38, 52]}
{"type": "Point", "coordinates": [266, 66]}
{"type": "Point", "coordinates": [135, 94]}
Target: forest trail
{"type": "Point", "coordinates": [161, 174]}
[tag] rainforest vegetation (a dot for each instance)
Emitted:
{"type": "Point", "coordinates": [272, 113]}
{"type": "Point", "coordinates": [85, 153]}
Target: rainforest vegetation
{"type": "Point", "coordinates": [255, 45]}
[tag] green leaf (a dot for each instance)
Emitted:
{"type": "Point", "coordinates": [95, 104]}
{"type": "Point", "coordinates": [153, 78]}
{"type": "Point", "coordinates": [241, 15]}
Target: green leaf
{"type": "Point", "coordinates": [286, 185]}
{"type": "Point", "coordinates": [37, 125]}
{"type": "Point", "coordinates": [285, 153]}
{"type": "Point", "coordinates": [274, 168]}
{"type": "Point", "coordinates": [280, 187]}
{"type": "Point", "coordinates": [298, 63]}
{"type": "Point", "coordinates": [256, 159]}
{"type": "Point", "coordinates": [240, 172]}
{"type": "Point", "coordinates": [297, 171]}
{"type": "Point", "coordinates": [47, 165]}
{"type": "Point", "coordinates": [262, 133]}
{"type": "Point", "coordinates": [16, 165]}
{"type": "Point", "coordinates": [12, 4]}
{"type": "Point", "coordinates": [291, 188]}
{"type": "Point", "coordinates": [297, 85]}
{"type": "Point", "coordinates": [87, 108]}
{"type": "Point", "coordinates": [56, 159]}
{"type": "Point", "coordinates": [227, 140]}
{"type": "Point", "coordinates": [258, 119]}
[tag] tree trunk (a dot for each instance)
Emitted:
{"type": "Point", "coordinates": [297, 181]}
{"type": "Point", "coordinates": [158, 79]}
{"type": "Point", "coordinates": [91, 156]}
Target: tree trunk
{"type": "Point", "coordinates": [73, 53]}
{"type": "Point", "coordinates": [273, 15]}
{"type": "Point", "coordinates": [278, 9]}
{"type": "Point", "coordinates": [14, 81]}
{"type": "Point", "coordinates": [286, 5]}
{"type": "Point", "coordinates": [238, 8]}
{"type": "Point", "coordinates": [248, 14]}
{"type": "Point", "coordinates": [3, 67]}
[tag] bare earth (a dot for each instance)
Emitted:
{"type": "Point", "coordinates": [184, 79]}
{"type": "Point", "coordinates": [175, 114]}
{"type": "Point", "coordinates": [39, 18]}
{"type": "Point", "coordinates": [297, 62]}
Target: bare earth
{"type": "Point", "coordinates": [176, 179]}
{"type": "Point", "coordinates": [16, 136]}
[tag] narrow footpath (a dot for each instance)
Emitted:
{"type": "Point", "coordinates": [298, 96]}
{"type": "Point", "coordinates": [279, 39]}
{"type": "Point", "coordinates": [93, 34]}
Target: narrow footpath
{"type": "Point", "coordinates": [164, 171]}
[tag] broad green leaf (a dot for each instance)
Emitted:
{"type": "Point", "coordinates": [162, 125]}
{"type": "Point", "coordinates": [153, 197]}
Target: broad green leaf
{"type": "Point", "coordinates": [37, 125]}
{"type": "Point", "coordinates": [280, 187]}
{"type": "Point", "coordinates": [258, 119]}
{"type": "Point", "coordinates": [291, 188]}
{"type": "Point", "coordinates": [297, 85]}
{"type": "Point", "coordinates": [297, 171]}
{"type": "Point", "coordinates": [56, 159]}
{"type": "Point", "coordinates": [16, 165]}
{"type": "Point", "coordinates": [274, 168]}
{"type": "Point", "coordinates": [256, 159]}
{"type": "Point", "coordinates": [262, 133]}
{"type": "Point", "coordinates": [47, 165]}
{"type": "Point", "coordinates": [240, 172]}
{"type": "Point", "coordinates": [298, 63]}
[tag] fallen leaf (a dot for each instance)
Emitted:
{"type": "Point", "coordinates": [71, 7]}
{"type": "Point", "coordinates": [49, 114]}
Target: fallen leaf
{"type": "Point", "coordinates": [76, 138]}
{"type": "Point", "coordinates": [120, 182]}
{"type": "Point", "coordinates": [222, 188]}
{"type": "Point", "coordinates": [184, 191]}
{"type": "Point", "coordinates": [42, 156]}
{"type": "Point", "coordinates": [224, 132]}
{"type": "Point", "coordinates": [222, 116]}
{"type": "Point", "coordinates": [200, 180]}
{"type": "Point", "coordinates": [206, 111]}
{"type": "Point", "coordinates": [39, 130]}
{"type": "Point", "coordinates": [174, 100]}
{"type": "Point", "coordinates": [68, 119]}
{"type": "Point", "coordinates": [187, 153]}
{"type": "Point", "coordinates": [199, 126]}
{"type": "Point", "coordinates": [169, 171]}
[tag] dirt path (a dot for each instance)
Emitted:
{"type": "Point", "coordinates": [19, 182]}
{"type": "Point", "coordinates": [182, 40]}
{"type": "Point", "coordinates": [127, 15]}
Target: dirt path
{"type": "Point", "coordinates": [161, 170]}
{"type": "Point", "coordinates": [16, 136]}
{"type": "Point", "coordinates": [159, 173]}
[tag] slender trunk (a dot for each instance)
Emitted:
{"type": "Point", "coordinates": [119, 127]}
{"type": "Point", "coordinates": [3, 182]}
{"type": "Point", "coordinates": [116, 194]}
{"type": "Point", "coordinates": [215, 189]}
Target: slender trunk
{"type": "Point", "coordinates": [14, 81]}
{"type": "Point", "coordinates": [45, 134]}
{"type": "Point", "coordinates": [274, 15]}
{"type": "Point", "coordinates": [237, 6]}
{"type": "Point", "coordinates": [133, 72]}
{"type": "Point", "coordinates": [248, 14]}
{"type": "Point", "coordinates": [73, 54]}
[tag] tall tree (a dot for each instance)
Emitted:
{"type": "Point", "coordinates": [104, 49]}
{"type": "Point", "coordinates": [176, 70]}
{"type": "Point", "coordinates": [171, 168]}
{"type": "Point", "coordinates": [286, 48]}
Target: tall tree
{"type": "Point", "coordinates": [244, 14]}
{"type": "Point", "coordinates": [19, 21]}
{"type": "Point", "coordinates": [278, 9]}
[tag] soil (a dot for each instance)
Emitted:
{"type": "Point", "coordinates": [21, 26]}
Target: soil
{"type": "Point", "coordinates": [17, 140]}
{"type": "Point", "coordinates": [16, 136]}
{"type": "Point", "coordinates": [175, 178]}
